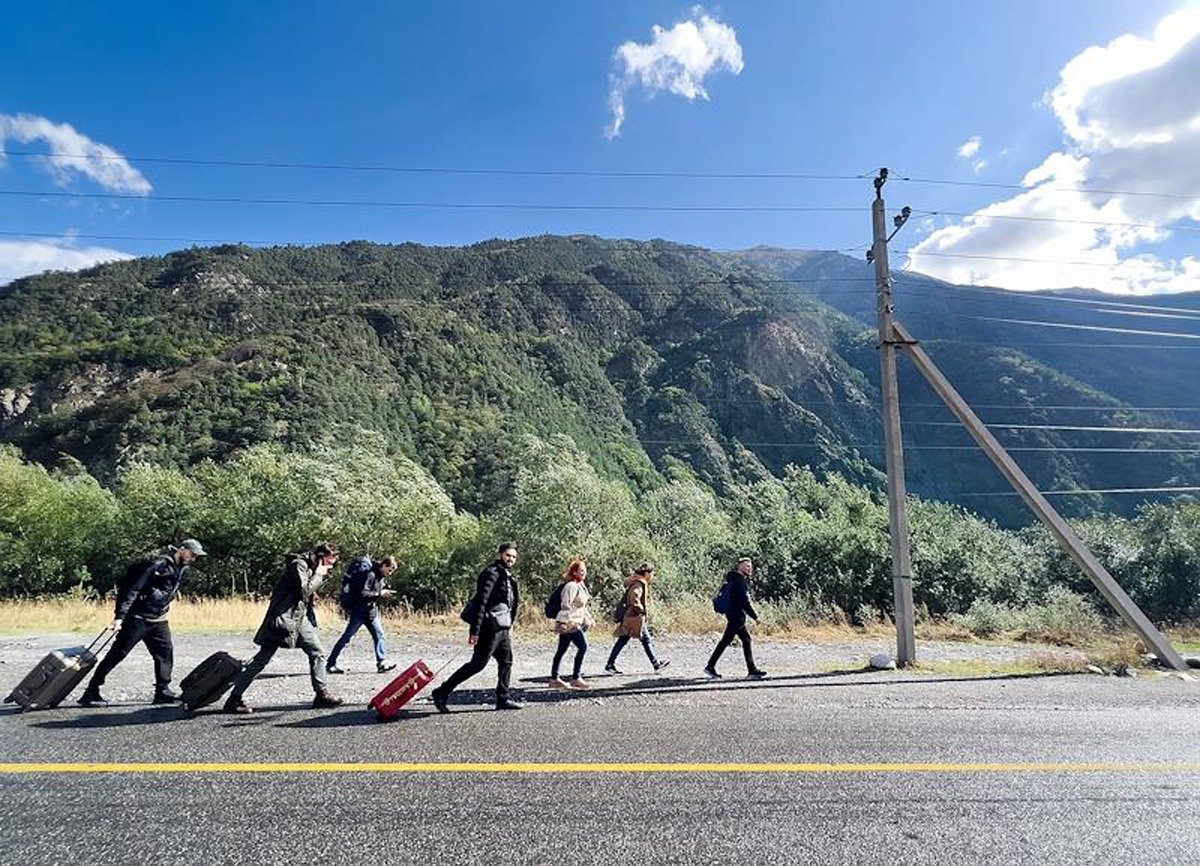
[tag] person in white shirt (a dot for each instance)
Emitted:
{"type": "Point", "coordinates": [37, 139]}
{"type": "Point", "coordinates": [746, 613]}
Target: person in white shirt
{"type": "Point", "coordinates": [571, 625]}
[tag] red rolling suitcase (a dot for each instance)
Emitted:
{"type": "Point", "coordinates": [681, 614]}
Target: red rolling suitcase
{"type": "Point", "coordinates": [401, 690]}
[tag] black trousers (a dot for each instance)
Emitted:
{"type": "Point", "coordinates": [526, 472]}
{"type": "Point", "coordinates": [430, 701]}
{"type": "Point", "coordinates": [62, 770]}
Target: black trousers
{"type": "Point", "coordinates": [735, 627]}
{"type": "Point", "coordinates": [579, 639]}
{"type": "Point", "coordinates": [493, 643]}
{"type": "Point", "coordinates": [157, 638]}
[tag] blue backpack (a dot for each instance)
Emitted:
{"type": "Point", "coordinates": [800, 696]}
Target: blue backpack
{"type": "Point", "coordinates": [353, 581]}
{"type": "Point", "coordinates": [554, 603]}
{"type": "Point", "coordinates": [723, 599]}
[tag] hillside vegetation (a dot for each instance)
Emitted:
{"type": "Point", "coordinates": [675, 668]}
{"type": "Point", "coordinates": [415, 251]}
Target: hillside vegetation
{"type": "Point", "coordinates": [612, 399]}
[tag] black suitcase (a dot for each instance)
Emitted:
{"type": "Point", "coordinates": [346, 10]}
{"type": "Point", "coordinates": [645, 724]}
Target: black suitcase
{"type": "Point", "coordinates": [57, 675]}
{"type": "Point", "coordinates": [211, 679]}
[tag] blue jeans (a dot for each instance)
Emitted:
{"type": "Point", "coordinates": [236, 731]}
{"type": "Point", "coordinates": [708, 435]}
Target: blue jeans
{"type": "Point", "coordinates": [368, 616]}
{"type": "Point", "coordinates": [576, 637]}
{"type": "Point", "coordinates": [647, 645]}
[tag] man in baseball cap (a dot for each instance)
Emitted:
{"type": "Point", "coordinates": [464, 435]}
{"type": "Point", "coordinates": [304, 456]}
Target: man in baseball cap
{"type": "Point", "coordinates": [144, 595]}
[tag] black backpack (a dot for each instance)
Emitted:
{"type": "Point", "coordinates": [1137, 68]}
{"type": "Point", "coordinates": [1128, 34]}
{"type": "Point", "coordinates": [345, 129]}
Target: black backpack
{"type": "Point", "coordinates": [554, 603]}
{"type": "Point", "coordinates": [354, 581]}
{"type": "Point", "coordinates": [131, 574]}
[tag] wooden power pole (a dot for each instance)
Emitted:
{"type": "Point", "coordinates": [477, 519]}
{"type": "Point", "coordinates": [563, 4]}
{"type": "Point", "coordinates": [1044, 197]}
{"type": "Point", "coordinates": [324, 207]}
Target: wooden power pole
{"type": "Point", "coordinates": [892, 335]}
{"type": "Point", "coordinates": [906, 645]}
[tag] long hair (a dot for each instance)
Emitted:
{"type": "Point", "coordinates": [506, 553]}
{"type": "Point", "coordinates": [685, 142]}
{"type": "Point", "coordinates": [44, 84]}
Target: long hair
{"type": "Point", "coordinates": [574, 570]}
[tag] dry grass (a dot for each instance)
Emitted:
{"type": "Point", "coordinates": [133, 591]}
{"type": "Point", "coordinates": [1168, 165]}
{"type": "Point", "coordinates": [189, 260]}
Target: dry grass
{"type": "Point", "coordinates": [1106, 649]}
{"type": "Point", "coordinates": [209, 615]}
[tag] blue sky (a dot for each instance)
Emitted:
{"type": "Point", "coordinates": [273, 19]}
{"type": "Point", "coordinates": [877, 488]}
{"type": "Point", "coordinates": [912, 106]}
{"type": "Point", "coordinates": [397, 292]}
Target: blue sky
{"type": "Point", "coordinates": [826, 87]}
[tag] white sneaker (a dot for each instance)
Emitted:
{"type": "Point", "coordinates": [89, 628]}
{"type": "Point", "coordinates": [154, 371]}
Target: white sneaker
{"type": "Point", "coordinates": [557, 683]}
{"type": "Point", "coordinates": [580, 683]}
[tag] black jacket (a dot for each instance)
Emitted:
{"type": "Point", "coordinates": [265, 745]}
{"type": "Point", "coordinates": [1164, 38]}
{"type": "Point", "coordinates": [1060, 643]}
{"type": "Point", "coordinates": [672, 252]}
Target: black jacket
{"type": "Point", "coordinates": [739, 598]}
{"type": "Point", "coordinates": [372, 589]}
{"type": "Point", "coordinates": [494, 586]}
{"type": "Point", "coordinates": [150, 596]}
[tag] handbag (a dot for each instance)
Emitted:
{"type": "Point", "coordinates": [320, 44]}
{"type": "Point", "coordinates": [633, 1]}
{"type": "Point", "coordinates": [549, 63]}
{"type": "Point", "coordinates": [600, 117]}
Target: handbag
{"type": "Point", "coordinates": [501, 616]}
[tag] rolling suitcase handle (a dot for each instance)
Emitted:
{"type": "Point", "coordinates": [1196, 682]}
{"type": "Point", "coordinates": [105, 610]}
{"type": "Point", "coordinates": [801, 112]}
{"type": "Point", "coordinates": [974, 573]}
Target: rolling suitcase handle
{"type": "Point", "coordinates": [110, 632]}
{"type": "Point", "coordinates": [452, 660]}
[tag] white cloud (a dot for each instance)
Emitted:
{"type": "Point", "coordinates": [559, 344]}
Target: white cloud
{"type": "Point", "coordinates": [1130, 113]}
{"type": "Point", "coordinates": [970, 147]}
{"type": "Point", "coordinates": [675, 60]}
{"type": "Point", "coordinates": [20, 258]}
{"type": "Point", "coordinates": [73, 153]}
{"type": "Point", "coordinates": [979, 165]}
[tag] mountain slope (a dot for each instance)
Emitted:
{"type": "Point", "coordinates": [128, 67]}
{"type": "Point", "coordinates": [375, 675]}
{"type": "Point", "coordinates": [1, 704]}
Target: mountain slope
{"type": "Point", "coordinates": [656, 358]}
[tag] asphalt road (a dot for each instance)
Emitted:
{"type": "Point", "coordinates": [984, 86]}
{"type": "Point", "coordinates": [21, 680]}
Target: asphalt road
{"type": "Point", "coordinates": [1079, 769]}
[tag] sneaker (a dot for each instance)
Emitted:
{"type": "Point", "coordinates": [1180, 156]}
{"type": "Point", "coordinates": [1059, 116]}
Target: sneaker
{"type": "Point", "coordinates": [612, 669]}
{"type": "Point", "coordinates": [712, 673]}
{"type": "Point", "coordinates": [333, 669]}
{"type": "Point", "coordinates": [325, 701]}
{"type": "Point", "coordinates": [165, 696]}
{"type": "Point", "coordinates": [756, 674]}
{"type": "Point", "coordinates": [507, 704]}
{"type": "Point", "coordinates": [658, 666]}
{"type": "Point", "coordinates": [439, 700]}
{"type": "Point", "coordinates": [557, 683]}
{"type": "Point", "coordinates": [91, 697]}
{"type": "Point", "coordinates": [580, 683]}
{"type": "Point", "coordinates": [384, 667]}
{"type": "Point", "coordinates": [237, 707]}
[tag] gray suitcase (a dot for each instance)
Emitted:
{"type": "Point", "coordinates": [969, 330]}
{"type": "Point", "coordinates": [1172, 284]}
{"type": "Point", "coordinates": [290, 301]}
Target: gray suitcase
{"type": "Point", "coordinates": [57, 675]}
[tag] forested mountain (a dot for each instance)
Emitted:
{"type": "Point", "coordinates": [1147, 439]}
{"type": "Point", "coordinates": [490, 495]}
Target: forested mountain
{"type": "Point", "coordinates": [659, 360]}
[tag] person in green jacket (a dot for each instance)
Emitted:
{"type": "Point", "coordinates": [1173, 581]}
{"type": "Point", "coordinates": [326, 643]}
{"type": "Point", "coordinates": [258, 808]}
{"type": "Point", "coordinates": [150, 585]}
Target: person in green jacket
{"type": "Point", "coordinates": [291, 622]}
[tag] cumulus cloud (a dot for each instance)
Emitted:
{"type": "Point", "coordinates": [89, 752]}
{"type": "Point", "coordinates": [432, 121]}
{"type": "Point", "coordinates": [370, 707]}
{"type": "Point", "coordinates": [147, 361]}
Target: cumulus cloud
{"type": "Point", "coordinates": [970, 147]}
{"type": "Point", "coordinates": [1130, 114]}
{"type": "Point", "coordinates": [675, 60]}
{"type": "Point", "coordinates": [20, 258]}
{"type": "Point", "coordinates": [71, 153]}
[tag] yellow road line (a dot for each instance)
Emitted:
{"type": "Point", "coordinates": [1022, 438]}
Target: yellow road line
{"type": "Point", "coordinates": [578, 768]}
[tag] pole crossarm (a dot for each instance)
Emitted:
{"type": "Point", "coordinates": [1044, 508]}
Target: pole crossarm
{"type": "Point", "coordinates": [1070, 542]}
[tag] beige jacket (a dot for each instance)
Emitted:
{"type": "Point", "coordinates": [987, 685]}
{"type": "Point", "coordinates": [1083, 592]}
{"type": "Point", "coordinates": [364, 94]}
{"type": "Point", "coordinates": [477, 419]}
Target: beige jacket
{"type": "Point", "coordinates": [574, 614]}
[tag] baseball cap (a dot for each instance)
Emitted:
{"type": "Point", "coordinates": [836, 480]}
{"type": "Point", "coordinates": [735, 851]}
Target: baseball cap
{"type": "Point", "coordinates": [194, 546]}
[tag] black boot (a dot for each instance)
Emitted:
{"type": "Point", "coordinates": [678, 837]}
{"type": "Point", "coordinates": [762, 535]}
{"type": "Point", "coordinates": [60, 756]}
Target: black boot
{"type": "Point", "coordinates": [91, 697]}
{"type": "Point", "coordinates": [164, 695]}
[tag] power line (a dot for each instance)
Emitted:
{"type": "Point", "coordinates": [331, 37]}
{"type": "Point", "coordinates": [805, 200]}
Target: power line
{"type": "Point", "coordinates": [1082, 429]}
{"type": "Point", "coordinates": [1081, 491]}
{"type": "Point", "coordinates": [911, 253]}
{"type": "Point", "coordinates": [1022, 347]}
{"type": "Point", "coordinates": [1024, 188]}
{"type": "Point", "coordinates": [425, 205]}
{"type": "Point", "coordinates": [519, 172]}
{"type": "Point", "coordinates": [1059, 220]}
{"type": "Point", "coordinates": [398, 169]}
{"type": "Point", "coordinates": [998, 295]}
{"type": "Point", "coordinates": [1073, 327]}
{"type": "Point", "coordinates": [858, 444]}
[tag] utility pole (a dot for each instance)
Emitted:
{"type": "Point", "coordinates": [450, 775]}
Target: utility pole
{"type": "Point", "coordinates": [906, 646]}
{"type": "Point", "coordinates": [1066, 537]}
{"type": "Point", "coordinates": [892, 335]}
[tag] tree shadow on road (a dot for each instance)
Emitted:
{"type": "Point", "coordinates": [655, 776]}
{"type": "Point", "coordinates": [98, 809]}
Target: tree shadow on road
{"type": "Point", "coordinates": [651, 685]}
{"type": "Point", "coordinates": [364, 716]}
{"type": "Point", "coordinates": [91, 719]}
